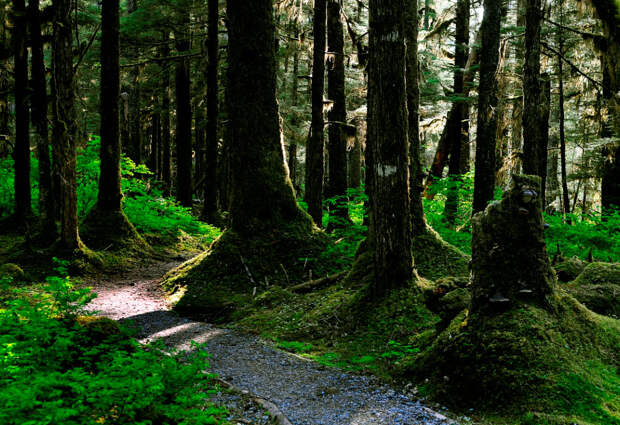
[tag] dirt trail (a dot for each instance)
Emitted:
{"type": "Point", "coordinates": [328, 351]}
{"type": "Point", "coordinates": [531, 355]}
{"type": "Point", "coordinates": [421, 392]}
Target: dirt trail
{"type": "Point", "coordinates": [306, 392]}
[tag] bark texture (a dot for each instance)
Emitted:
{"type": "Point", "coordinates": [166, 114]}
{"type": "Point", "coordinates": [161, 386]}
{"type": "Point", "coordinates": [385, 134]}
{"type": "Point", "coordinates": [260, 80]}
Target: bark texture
{"type": "Point", "coordinates": [21, 152]}
{"type": "Point", "coordinates": [388, 143]}
{"type": "Point", "coordinates": [135, 117]}
{"type": "Point", "coordinates": [166, 162]}
{"type": "Point", "coordinates": [184, 189]}
{"type": "Point", "coordinates": [315, 148]}
{"type": "Point", "coordinates": [484, 180]}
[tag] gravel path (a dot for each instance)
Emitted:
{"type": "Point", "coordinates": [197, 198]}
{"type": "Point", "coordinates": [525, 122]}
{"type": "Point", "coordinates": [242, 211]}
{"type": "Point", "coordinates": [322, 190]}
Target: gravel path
{"type": "Point", "coordinates": [306, 392]}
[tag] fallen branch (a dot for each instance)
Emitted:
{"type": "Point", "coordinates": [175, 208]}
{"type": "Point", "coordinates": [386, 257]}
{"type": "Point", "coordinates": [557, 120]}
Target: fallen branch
{"type": "Point", "coordinates": [311, 285]}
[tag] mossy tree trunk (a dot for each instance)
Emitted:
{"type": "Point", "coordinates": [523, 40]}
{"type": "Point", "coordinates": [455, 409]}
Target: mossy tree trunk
{"type": "Point", "coordinates": [39, 117]}
{"type": "Point", "coordinates": [457, 136]}
{"type": "Point", "coordinates": [484, 180]}
{"type": "Point", "coordinates": [389, 146]}
{"type": "Point", "coordinates": [416, 172]}
{"type": "Point", "coordinates": [262, 194]}
{"type": "Point", "coordinates": [183, 134]}
{"type": "Point", "coordinates": [292, 144]}
{"type": "Point", "coordinates": [211, 183]}
{"type": "Point", "coordinates": [337, 146]}
{"type": "Point", "coordinates": [21, 152]}
{"type": "Point", "coordinates": [508, 236]}
{"type": "Point", "coordinates": [315, 148]}
{"type": "Point", "coordinates": [65, 123]}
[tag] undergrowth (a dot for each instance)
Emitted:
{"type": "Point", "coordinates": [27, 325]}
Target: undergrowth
{"type": "Point", "coordinates": [60, 366]}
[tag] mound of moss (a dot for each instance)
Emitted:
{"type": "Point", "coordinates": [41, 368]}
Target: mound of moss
{"type": "Point", "coordinates": [569, 268]}
{"type": "Point", "coordinates": [238, 267]}
{"type": "Point", "coordinates": [561, 365]}
{"type": "Point", "coordinates": [598, 288]}
{"type": "Point", "coordinates": [111, 231]}
{"type": "Point", "coordinates": [434, 258]}
{"type": "Point", "coordinates": [13, 271]}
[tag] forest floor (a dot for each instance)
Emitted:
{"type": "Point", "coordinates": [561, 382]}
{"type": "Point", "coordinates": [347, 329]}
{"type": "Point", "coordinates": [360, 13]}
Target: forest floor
{"type": "Point", "coordinates": [305, 392]}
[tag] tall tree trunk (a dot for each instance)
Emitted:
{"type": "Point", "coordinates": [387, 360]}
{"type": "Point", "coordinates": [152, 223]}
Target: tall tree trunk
{"type": "Point", "coordinates": [183, 134]}
{"type": "Point", "coordinates": [155, 142]}
{"type": "Point", "coordinates": [21, 152]}
{"type": "Point", "coordinates": [565, 194]}
{"type": "Point", "coordinates": [211, 183]}
{"type": "Point", "coordinates": [457, 136]}
{"type": "Point", "coordinates": [532, 136]}
{"type": "Point", "coordinates": [39, 117]}
{"type": "Point", "coordinates": [65, 123]}
{"type": "Point", "coordinates": [484, 181]}
{"type": "Point", "coordinates": [166, 162]}
{"type": "Point", "coordinates": [315, 148]}
{"type": "Point", "coordinates": [262, 194]}
{"type": "Point", "coordinates": [4, 95]}
{"type": "Point", "coordinates": [416, 173]}
{"type": "Point", "coordinates": [516, 137]}
{"type": "Point", "coordinates": [135, 117]}
{"type": "Point", "coordinates": [388, 143]}
{"type": "Point", "coordinates": [337, 146]}
{"type": "Point", "coordinates": [292, 147]}
{"type": "Point", "coordinates": [543, 123]}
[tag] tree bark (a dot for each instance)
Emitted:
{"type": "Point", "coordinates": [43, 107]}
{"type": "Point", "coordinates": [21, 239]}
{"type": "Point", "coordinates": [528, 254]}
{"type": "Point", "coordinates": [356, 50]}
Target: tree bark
{"type": "Point", "coordinates": [337, 146]}
{"type": "Point", "coordinates": [484, 180]}
{"type": "Point", "coordinates": [211, 183]}
{"type": "Point", "coordinates": [565, 194]}
{"type": "Point", "coordinates": [135, 117]}
{"type": "Point", "coordinates": [65, 123]}
{"type": "Point", "coordinates": [47, 210]}
{"type": "Point", "coordinates": [262, 193]}
{"type": "Point", "coordinates": [166, 162]}
{"type": "Point", "coordinates": [183, 134]}
{"type": "Point", "coordinates": [457, 136]}
{"type": "Point", "coordinates": [21, 152]}
{"type": "Point", "coordinates": [416, 172]}
{"type": "Point", "coordinates": [388, 143]}
{"type": "Point", "coordinates": [292, 146]}
{"type": "Point", "coordinates": [315, 148]}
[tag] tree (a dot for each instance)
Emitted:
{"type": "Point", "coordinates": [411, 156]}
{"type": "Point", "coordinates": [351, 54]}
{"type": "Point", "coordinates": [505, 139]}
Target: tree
{"type": "Point", "coordinates": [315, 148]}
{"type": "Point", "coordinates": [135, 117]}
{"type": "Point", "coordinates": [21, 153]}
{"type": "Point", "coordinates": [166, 163]}
{"type": "Point", "coordinates": [484, 180]}
{"type": "Point", "coordinates": [184, 185]}
{"type": "Point", "coordinates": [106, 226]}
{"type": "Point", "coordinates": [389, 146]}
{"type": "Point", "coordinates": [47, 210]}
{"type": "Point", "coordinates": [337, 146]}
{"type": "Point", "coordinates": [211, 184]}
{"type": "Point", "coordinates": [65, 123]}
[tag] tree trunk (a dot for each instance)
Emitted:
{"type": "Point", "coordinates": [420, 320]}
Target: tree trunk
{"type": "Point", "coordinates": [416, 172]}
{"type": "Point", "coordinates": [21, 152]}
{"type": "Point", "coordinates": [388, 143]}
{"type": "Point", "coordinates": [457, 137]}
{"type": "Point", "coordinates": [211, 183]}
{"type": "Point", "coordinates": [262, 194]}
{"type": "Point", "coordinates": [565, 194]}
{"type": "Point", "coordinates": [484, 181]}
{"type": "Point", "coordinates": [183, 134]}
{"type": "Point", "coordinates": [544, 110]}
{"type": "Point", "coordinates": [166, 162]}
{"type": "Point", "coordinates": [355, 163]}
{"type": "Point", "coordinates": [39, 117]}
{"type": "Point", "coordinates": [65, 123]}
{"type": "Point", "coordinates": [315, 148]}
{"type": "Point", "coordinates": [155, 143]}
{"type": "Point", "coordinates": [5, 115]}
{"type": "Point", "coordinates": [135, 118]}
{"type": "Point", "coordinates": [292, 147]}
{"type": "Point", "coordinates": [533, 139]}
{"type": "Point", "coordinates": [337, 146]}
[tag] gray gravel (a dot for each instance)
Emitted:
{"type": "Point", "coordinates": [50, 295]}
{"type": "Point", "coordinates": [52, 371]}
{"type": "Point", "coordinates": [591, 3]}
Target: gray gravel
{"type": "Point", "coordinates": [306, 392]}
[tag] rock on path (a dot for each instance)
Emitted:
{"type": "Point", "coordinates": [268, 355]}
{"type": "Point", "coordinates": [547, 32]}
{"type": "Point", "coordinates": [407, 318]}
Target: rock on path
{"type": "Point", "coordinates": [306, 392]}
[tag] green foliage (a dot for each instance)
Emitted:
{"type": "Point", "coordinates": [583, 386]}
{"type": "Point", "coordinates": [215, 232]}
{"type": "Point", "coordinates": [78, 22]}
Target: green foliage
{"type": "Point", "coordinates": [57, 367]}
{"type": "Point", "coordinates": [295, 346]}
{"type": "Point", "coordinates": [7, 185]}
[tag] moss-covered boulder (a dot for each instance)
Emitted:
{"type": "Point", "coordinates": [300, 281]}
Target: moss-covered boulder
{"type": "Point", "coordinates": [13, 271]}
{"type": "Point", "coordinates": [569, 268]}
{"type": "Point", "coordinates": [598, 288]}
{"type": "Point", "coordinates": [435, 258]}
{"type": "Point", "coordinates": [237, 267]}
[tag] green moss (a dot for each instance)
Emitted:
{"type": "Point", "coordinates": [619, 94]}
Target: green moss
{"type": "Point", "coordinates": [434, 258]}
{"type": "Point", "coordinates": [569, 269]}
{"type": "Point", "coordinates": [236, 267]}
{"type": "Point", "coordinates": [111, 231]}
{"type": "Point", "coordinates": [598, 288]}
{"type": "Point", "coordinates": [13, 271]}
{"type": "Point", "coordinates": [562, 363]}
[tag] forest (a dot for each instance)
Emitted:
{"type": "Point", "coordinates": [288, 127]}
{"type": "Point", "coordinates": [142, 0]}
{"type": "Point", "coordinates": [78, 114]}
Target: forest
{"type": "Point", "coordinates": [335, 212]}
